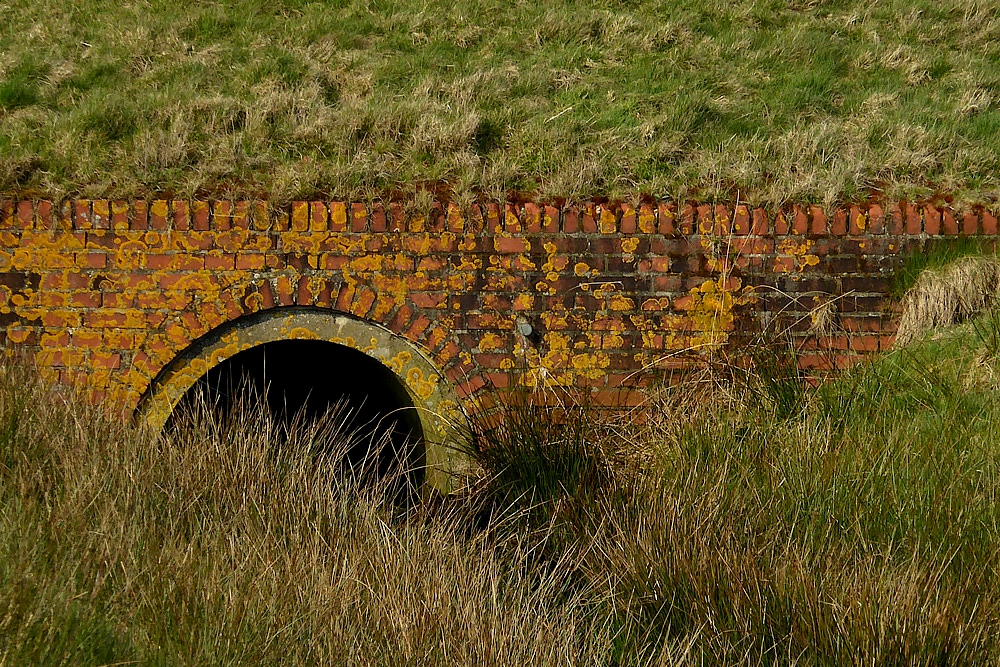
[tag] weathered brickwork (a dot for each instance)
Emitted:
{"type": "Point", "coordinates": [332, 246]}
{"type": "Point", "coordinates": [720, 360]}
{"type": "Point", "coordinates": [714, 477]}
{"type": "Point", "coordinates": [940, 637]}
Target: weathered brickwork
{"type": "Point", "coordinates": [107, 293]}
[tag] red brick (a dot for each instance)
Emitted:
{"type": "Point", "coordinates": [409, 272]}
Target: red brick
{"type": "Point", "coordinates": [435, 221]}
{"type": "Point", "coordinates": [25, 215]}
{"type": "Point", "coordinates": [7, 212]}
{"type": "Point", "coordinates": [506, 244]}
{"type": "Point", "coordinates": [182, 215]}
{"type": "Point", "coordinates": [550, 220]}
{"type": "Point", "coordinates": [431, 300]}
{"type": "Point", "coordinates": [446, 354]}
{"type": "Point", "coordinates": [759, 226]}
{"type": "Point", "coordinates": [81, 214]}
{"type": "Point", "coordinates": [753, 245]}
{"type": "Point", "coordinates": [800, 220]}
{"type": "Point", "coordinates": [512, 218]}
{"type": "Point", "coordinates": [266, 294]}
{"type": "Point", "coordinates": [433, 338]}
{"type": "Point", "coordinates": [220, 262]}
{"type": "Point", "coordinates": [222, 215]}
{"type": "Point", "coordinates": [241, 215]}
{"type": "Point", "coordinates": [876, 219]}
{"type": "Point", "coordinates": [897, 225]}
{"type": "Point", "coordinates": [43, 214]}
{"type": "Point", "coordinates": [912, 219]}
{"type": "Point", "coordinates": [741, 220]}
{"type": "Point", "coordinates": [666, 217]}
{"type": "Point", "coordinates": [492, 222]}
{"type": "Point", "coordinates": [396, 217]}
{"type": "Point", "coordinates": [200, 215]}
{"type": "Point", "coordinates": [281, 219]}
{"type": "Point", "coordinates": [949, 223]}
{"type": "Point", "coordinates": [378, 219]}
{"type": "Point", "coordinates": [588, 221]}
{"type": "Point", "coordinates": [970, 223]}
{"type": "Point", "coordinates": [474, 221]}
{"type": "Point", "coordinates": [989, 223]}
{"type": "Point", "coordinates": [249, 262]}
{"type": "Point", "coordinates": [303, 296]}
{"type": "Point", "coordinates": [723, 221]}
{"type": "Point", "coordinates": [260, 213]}
{"type": "Point", "coordinates": [300, 216]}
{"type": "Point", "coordinates": [87, 339]}
{"type": "Point", "coordinates": [703, 221]}
{"type": "Point", "coordinates": [932, 220]}
{"type": "Point", "coordinates": [345, 297]}
{"type": "Point", "coordinates": [781, 226]}
{"type": "Point", "coordinates": [139, 218]}
{"type": "Point", "coordinates": [400, 319]}
{"type": "Point", "coordinates": [359, 218]}
{"type": "Point", "coordinates": [857, 222]}
{"type": "Point", "coordinates": [469, 387]}
{"type": "Point", "coordinates": [417, 327]}
{"type": "Point", "coordinates": [101, 214]}
{"type": "Point", "coordinates": [838, 227]}
{"type": "Point", "coordinates": [285, 291]}
{"type": "Point", "coordinates": [532, 218]}
{"type": "Point", "coordinates": [338, 217]}
{"type": "Point", "coordinates": [629, 223]}
{"type": "Point", "coordinates": [571, 220]}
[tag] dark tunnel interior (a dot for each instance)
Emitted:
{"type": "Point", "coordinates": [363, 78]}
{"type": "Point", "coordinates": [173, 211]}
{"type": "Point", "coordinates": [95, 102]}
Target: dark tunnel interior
{"type": "Point", "coordinates": [300, 380]}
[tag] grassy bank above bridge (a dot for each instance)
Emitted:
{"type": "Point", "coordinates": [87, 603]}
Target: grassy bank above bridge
{"type": "Point", "coordinates": [748, 520]}
{"type": "Point", "coordinates": [761, 101]}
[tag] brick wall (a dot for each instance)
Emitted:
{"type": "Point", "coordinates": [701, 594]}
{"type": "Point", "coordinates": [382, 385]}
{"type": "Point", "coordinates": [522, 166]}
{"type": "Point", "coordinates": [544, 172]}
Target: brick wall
{"type": "Point", "coordinates": [106, 293]}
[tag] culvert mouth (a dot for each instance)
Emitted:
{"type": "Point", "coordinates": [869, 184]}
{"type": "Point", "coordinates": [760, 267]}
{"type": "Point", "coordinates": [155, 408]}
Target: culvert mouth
{"type": "Point", "coordinates": [297, 382]}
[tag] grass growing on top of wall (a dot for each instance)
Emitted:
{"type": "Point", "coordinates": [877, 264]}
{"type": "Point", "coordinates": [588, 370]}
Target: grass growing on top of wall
{"type": "Point", "coordinates": [859, 528]}
{"type": "Point", "coordinates": [765, 101]}
{"type": "Point", "coordinates": [936, 254]}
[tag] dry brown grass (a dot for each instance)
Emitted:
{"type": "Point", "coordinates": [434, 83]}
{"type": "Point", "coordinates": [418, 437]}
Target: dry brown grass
{"type": "Point", "coordinates": [944, 296]}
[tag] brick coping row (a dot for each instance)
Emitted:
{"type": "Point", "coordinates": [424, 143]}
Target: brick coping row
{"type": "Point", "coordinates": [663, 218]}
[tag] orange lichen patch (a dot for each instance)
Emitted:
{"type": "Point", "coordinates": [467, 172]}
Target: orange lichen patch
{"type": "Point", "coordinates": [608, 223]}
{"type": "Point", "coordinates": [560, 365]}
{"type": "Point", "coordinates": [662, 303]}
{"type": "Point", "coordinates": [629, 246]}
{"type": "Point", "coordinates": [798, 252]}
{"type": "Point", "coordinates": [555, 320]}
{"type": "Point", "coordinates": [491, 342]}
{"type": "Point", "coordinates": [710, 309]}
{"type": "Point", "coordinates": [620, 302]}
{"type": "Point", "coordinates": [581, 269]}
{"type": "Point", "coordinates": [647, 220]}
{"type": "Point", "coordinates": [524, 301]}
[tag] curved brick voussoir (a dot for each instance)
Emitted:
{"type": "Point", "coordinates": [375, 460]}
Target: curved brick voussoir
{"type": "Point", "coordinates": [591, 296]}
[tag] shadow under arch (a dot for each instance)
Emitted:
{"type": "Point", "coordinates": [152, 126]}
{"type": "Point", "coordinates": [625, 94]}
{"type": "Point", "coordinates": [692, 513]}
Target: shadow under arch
{"type": "Point", "coordinates": [442, 421]}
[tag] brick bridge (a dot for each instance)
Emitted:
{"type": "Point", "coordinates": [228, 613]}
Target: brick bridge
{"type": "Point", "coordinates": [138, 301]}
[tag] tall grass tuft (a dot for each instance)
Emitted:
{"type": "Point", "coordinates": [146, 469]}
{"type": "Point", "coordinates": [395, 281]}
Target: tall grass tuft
{"type": "Point", "coordinates": [220, 544]}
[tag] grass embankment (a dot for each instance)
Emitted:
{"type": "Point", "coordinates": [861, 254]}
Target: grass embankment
{"type": "Point", "coordinates": [746, 522]}
{"type": "Point", "coordinates": [766, 101]}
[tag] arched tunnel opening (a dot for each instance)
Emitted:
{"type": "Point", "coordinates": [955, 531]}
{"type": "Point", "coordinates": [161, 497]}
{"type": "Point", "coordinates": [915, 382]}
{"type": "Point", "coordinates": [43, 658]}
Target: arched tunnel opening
{"type": "Point", "coordinates": [300, 381]}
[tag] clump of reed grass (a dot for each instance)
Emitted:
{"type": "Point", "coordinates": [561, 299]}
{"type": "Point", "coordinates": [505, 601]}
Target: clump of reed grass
{"type": "Point", "coordinates": [948, 295]}
{"type": "Point", "coordinates": [231, 543]}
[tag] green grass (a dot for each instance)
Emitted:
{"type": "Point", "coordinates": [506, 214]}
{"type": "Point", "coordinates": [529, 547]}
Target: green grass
{"type": "Point", "coordinates": [856, 523]}
{"type": "Point", "coordinates": [763, 101]}
{"type": "Point", "coordinates": [935, 254]}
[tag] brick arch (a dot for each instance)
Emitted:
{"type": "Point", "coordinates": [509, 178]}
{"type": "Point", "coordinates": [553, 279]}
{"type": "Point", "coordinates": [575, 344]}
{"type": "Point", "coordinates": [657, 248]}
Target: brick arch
{"type": "Point", "coordinates": [297, 287]}
{"type": "Point", "coordinates": [438, 405]}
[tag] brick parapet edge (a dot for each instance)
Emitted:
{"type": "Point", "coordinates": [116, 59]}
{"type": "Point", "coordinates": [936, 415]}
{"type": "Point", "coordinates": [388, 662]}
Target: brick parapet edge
{"type": "Point", "coordinates": [112, 289]}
